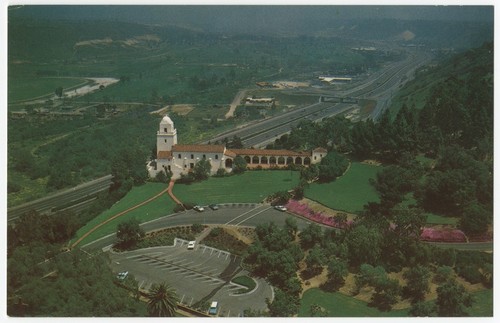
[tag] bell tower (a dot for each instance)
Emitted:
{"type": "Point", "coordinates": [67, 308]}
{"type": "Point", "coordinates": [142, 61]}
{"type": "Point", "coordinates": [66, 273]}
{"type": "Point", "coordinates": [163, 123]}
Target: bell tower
{"type": "Point", "coordinates": [166, 137]}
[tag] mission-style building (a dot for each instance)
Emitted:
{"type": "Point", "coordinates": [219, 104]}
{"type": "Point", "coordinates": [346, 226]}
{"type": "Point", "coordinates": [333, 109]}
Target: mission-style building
{"type": "Point", "coordinates": [180, 159]}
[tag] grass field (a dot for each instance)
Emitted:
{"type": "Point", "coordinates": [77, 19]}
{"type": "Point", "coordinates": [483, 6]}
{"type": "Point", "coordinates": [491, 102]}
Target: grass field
{"type": "Point", "coordinates": [214, 190]}
{"type": "Point", "coordinates": [483, 304]}
{"type": "Point", "coordinates": [155, 209]}
{"type": "Point", "coordinates": [348, 193]}
{"type": "Point", "coordinates": [340, 305]}
{"type": "Point", "coordinates": [249, 187]}
{"type": "Point", "coordinates": [29, 88]}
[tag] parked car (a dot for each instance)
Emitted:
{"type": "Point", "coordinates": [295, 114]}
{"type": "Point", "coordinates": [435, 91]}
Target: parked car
{"type": "Point", "coordinates": [198, 208]}
{"type": "Point", "coordinates": [280, 208]}
{"type": "Point", "coordinates": [213, 308]}
{"type": "Point", "coordinates": [191, 245]}
{"type": "Point", "coordinates": [122, 275]}
{"type": "Point", "coordinates": [214, 206]}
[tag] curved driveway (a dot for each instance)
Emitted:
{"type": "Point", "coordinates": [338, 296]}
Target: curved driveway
{"type": "Point", "coordinates": [231, 214]}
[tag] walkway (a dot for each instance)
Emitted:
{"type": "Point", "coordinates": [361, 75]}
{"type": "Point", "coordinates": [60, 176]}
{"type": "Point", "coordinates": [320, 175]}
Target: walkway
{"type": "Point", "coordinates": [171, 194]}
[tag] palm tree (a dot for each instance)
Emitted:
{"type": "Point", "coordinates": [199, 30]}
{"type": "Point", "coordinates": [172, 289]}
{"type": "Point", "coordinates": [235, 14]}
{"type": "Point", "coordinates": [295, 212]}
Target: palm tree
{"type": "Point", "coordinates": [162, 300]}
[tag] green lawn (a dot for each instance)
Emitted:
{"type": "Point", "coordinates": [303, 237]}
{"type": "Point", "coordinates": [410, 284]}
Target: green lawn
{"type": "Point", "coordinates": [348, 193]}
{"type": "Point", "coordinates": [160, 207]}
{"type": "Point", "coordinates": [230, 189]}
{"type": "Point", "coordinates": [249, 187]}
{"type": "Point", "coordinates": [483, 304]}
{"type": "Point", "coordinates": [340, 305]}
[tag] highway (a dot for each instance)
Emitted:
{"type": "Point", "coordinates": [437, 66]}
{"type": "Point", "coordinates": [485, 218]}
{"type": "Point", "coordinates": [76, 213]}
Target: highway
{"type": "Point", "coordinates": [379, 86]}
{"type": "Point", "coordinates": [69, 199]}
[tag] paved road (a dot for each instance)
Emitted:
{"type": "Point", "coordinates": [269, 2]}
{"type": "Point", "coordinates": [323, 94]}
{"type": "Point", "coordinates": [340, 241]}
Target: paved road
{"type": "Point", "coordinates": [231, 214]}
{"type": "Point", "coordinates": [78, 195]}
{"type": "Point", "coordinates": [379, 86]}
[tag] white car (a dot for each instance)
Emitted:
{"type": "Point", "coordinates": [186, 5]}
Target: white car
{"type": "Point", "coordinates": [122, 275]}
{"type": "Point", "coordinates": [191, 245]}
{"type": "Point", "coordinates": [198, 208]}
{"type": "Point", "coordinates": [280, 208]}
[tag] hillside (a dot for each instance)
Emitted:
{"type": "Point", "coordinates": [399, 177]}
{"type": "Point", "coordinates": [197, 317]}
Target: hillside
{"type": "Point", "coordinates": [475, 65]}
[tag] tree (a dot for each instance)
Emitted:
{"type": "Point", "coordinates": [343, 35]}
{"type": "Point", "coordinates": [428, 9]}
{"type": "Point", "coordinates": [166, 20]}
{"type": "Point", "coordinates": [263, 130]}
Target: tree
{"type": "Point", "coordinates": [239, 165]}
{"type": "Point", "coordinates": [363, 245]}
{"type": "Point", "coordinates": [129, 233]}
{"type": "Point", "coordinates": [369, 275]}
{"type": "Point", "coordinates": [452, 299]}
{"type": "Point", "coordinates": [235, 143]}
{"type": "Point", "coordinates": [163, 177]}
{"type": "Point", "coordinates": [422, 309]}
{"type": "Point", "coordinates": [337, 272]}
{"type": "Point", "coordinates": [417, 283]}
{"type": "Point", "coordinates": [291, 226]}
{"type": "Point", "coordinates": [386, 294]}
{"type": "Point", "coordinates": [59, 91]}
{"type": "Point", "coordinates": [392, 183]}
{"type": "Point", "coordinates": [475, 219]}
{"type": "Point", "coordinates": [311, 235]}
{"type": "Point", "coordinates": [315, 260]}
{"type": "Point", "coordinates": [202, 169]}
{"type": "Point", "coordinates": [332, 166]}
{"type": "Point", "coordinates": [283, 304]}
{"type": "Point", "coordinates": [162, 301]}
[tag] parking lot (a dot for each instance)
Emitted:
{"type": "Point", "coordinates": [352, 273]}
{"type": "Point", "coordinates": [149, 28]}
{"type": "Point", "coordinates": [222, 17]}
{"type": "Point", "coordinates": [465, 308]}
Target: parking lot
{"type": "Point", "coordinates": [198, 276]}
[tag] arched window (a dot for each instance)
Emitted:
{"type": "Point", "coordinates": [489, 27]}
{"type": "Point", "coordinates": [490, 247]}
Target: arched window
{"type": "Point", "coordinates": [307, 161]}
{"type": "Point", "coordinates": [272, 160]}
{"type": "Point", "coordinates": [247, 159]}
{"type": "Point", "coordinates": [281, 161]}
{"type": "Point", "coordinates": [263, 160]}
{"type": "Point", "coordinates": [298, 161]}
{"type": "Point", "coordinates": [229, 163]}
{"type": "Point", "coordinates": [289, 160]}
{"type": "Point", "coordinates": [255, 160]}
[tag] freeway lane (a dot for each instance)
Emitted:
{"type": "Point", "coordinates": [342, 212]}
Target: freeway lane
{"type": "Point", "coordinates": [63, 198]}
{"type": "Point", "coordinates": [377, 85]}
{"type": "Point", "coordinates": [263, 138]}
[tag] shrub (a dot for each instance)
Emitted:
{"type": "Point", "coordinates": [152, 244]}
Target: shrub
{"type": "Point", "coordinates": [443, 274]}
{"type": "Point", "coordinates": [442, 235]}
{"type": "Point", "coordinates": [178, 208]}
{"type": "Point", "coordinates": [197, 228]}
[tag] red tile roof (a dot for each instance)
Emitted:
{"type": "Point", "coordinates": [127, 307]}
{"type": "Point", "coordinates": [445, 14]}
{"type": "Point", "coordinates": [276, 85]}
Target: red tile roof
{"type": "Point", "coordinates": [163, 154]}
{"type": "Point", "coordinates": [320, 150]}
{"type": "Point", "coordinates": [199, 148]}
{"type": "Point", "coordinates": [270, 152]}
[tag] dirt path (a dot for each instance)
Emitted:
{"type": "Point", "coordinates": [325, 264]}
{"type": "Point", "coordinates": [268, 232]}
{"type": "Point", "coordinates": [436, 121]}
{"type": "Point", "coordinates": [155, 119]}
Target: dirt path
{"type": "Point", "coordinates": [236, 101]}
{"type": "Point", "coordinates": [171, 194]}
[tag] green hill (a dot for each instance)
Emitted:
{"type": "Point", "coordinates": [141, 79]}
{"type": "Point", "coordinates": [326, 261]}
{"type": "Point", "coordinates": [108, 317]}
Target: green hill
{"type": "Point", "coordinates": [473, 67]}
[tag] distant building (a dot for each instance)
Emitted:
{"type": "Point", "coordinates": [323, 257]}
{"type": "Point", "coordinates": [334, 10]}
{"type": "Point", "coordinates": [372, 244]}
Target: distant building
{"type": "Point", "coordinates": [253, 101]}
{"type": "Point", "coordinates": [335, 79]}
{"type": "Point", "coordinates": [181, 159]}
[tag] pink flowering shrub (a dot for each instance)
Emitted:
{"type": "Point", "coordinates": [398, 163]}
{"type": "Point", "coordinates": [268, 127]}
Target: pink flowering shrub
{"type": "Point", "coordinates": [318, 217]}
{"type": "Point", "coordinates": [442, 235]}
{"type": "Point", "coordinates": [428, 234]}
